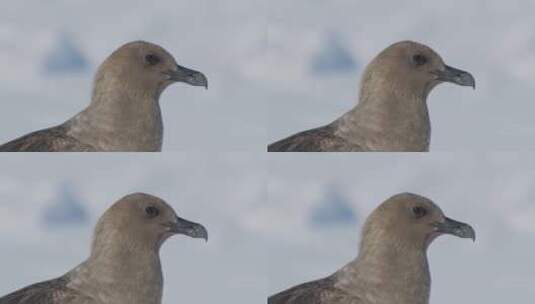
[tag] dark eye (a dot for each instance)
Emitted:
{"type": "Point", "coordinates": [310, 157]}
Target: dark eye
{"type": "Point", "coordinates": [152, 211]}
{"type": "Point", "coordinates": [419, 211]}
{"type": "Point", "coordinates": [419, 59]}
{"type": "Point", "coordinates": [152, 59]}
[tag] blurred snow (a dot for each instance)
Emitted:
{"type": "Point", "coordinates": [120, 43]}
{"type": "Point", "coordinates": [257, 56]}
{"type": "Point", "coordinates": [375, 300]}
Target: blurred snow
{"type": "Point", "coordinates": [333, 57]}
{"type": "Point", "coordinates": [333, 210]}
{"type": "Point", "coordinates": [65, 57]}
{"type": "Point", "coordinates": [67, 209]}
{"type": "Point", "coordinates": [259, 58]}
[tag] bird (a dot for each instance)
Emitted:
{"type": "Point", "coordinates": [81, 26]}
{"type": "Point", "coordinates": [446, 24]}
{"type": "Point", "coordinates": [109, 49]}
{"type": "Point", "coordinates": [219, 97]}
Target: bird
{"type": "Point", "coordinates": [124, 113]}
{"type": "Point", "coordinates": [392, 265]}
{"type": "Point", "coordinates": [124, 264]}
{"type": "Point", "coordinates": [392, 113]}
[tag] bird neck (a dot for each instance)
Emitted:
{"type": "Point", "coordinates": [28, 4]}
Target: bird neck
{"type": "Point", "coordinates": [388, 120]}
{"type": "Point", "coordinates": [123, 274]}
{"type": "Point", "coordinates": [388, 272]}
{"type": "Point", "coordinates": [120, 119]}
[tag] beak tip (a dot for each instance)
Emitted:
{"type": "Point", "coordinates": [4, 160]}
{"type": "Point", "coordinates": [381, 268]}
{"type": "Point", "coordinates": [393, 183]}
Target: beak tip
{"type": "Point", "coordinates": [201, 80]}
{"type": "Point", "coordinates": [203, 233]}
{"type": "Point", "coordinates": [473, 84]}
{"type": "Point", "coordinates": [471, 234]}
{"type": "Point", "coordinates": [468, 80]}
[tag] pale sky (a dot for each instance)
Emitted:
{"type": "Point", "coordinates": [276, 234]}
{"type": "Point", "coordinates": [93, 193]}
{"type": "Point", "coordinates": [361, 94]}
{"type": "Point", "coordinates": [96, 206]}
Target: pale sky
{"type": "Point", "coordinates": [261, 61]}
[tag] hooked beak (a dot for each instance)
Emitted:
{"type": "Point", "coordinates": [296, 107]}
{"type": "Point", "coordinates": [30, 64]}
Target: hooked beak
{"type": "Point", "coordinates": [192, 77]}
{"type": "Point", "coordinates": [191, 229]}
{"type": "Point", "coordinates": [453, 75]}
{"type": "Point", "coordinates": [456, 228]}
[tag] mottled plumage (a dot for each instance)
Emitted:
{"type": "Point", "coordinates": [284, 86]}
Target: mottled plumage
{"type": "Point", "coordinates": [316, 140]}
{"type": "Point", "coordinates": [124, 113]}
{"type": "Point", "coordinates": [392, 266]}
{"type": "Point", "coordinates": [47, 140]}
{"type": "Point", "coordinates": [392, 113]}
{"type": "Point", "coordinates": [124, 266]}
{"type": "Point", "coordinates": [48, 292]}
{"type": "Point", "coordinates": [315, 292]}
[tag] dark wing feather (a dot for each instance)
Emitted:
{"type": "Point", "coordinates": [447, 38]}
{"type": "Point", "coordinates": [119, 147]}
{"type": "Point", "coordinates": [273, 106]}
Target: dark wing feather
{"type": "Point", "coordinates": [320, 139]}
{"type": "Point", "coordinates": [53, 139]}
{"type": "Point", "coordinates": [316, 292]}
{"type": "Point", "coordinates": [47, 292]}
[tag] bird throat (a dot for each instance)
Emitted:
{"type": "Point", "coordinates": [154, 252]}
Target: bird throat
{"type": "Point", "coordinates": [387, 275]}
{"type": "Point", "coordinates": [128, 122]}
{"type": "Point", "coordinates": [387, 123]}
{"type": "Point", "coordinates": [128, 275]}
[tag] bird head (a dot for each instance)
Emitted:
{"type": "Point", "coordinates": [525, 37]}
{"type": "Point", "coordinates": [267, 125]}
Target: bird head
{"type": "Point", "coordinates": [414, 220]}
{"type": "Point", "coordinates": [147, 67]}
{"type": "Point", "coordinates": [141, 219]}
{"type": "Point", "coordinates": [409, 66]}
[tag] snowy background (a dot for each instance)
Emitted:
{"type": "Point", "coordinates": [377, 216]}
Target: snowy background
{"type": "Point", "coordinates": [275, 68]}
{"type": "Point", "coordinates": [320, 204]}
{"type": "Point", "coordinates": [49, 206]}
